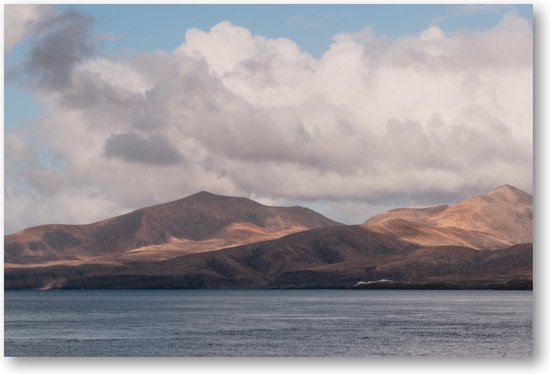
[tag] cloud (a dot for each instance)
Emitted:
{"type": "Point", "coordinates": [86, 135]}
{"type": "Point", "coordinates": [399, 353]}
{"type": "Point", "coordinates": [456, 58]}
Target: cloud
{"type": "Point", "coordinates": [375, 122]}
{"type": "Point", "coordinates": [20, 21]}
{"type": "Point", "coordinates": [59, 41]}
{"type": "Point", "coordinates": [132, 147]}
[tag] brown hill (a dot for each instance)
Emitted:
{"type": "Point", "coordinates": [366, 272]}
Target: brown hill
{"type": "Point", "coordinates": [498, 219]}
{"type": "Point", "coordinates": [173, 245]}
{"type": "Point", "coordinates": [200, 222]}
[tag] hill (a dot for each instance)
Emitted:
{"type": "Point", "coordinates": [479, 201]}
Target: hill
{"type": "Point", "coordinates": [210, 241]}
{"type": "Point", "coordinates": [498, 219]}
{"type": "Point", "coordinates": [200, 222]}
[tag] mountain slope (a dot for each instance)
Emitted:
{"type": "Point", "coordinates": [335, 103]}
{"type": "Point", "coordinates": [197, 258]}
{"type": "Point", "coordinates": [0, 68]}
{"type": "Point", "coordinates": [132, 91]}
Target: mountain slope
{"type": "Point", "coordinates": [252, 265]}
{"type": "Point", "coordinates": [200, 222]}
{"type": "Point", "coordinates": [500, 218]}
{"type": "Point", "coordinates": [335, 257]}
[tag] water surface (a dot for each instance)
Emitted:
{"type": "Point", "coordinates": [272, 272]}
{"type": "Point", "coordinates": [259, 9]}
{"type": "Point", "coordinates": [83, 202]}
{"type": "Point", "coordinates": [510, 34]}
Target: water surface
{"type": "Point", "coordinates": [268, 323]}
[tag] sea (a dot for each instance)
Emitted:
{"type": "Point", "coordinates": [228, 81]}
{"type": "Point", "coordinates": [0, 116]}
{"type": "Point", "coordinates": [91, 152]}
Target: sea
{"type": "Point", "coordinates": [247, 323]}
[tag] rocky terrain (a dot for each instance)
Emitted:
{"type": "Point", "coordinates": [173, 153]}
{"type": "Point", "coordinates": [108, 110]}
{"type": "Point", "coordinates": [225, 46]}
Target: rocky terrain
{"type": "Point", "coordinates": [211, 241]}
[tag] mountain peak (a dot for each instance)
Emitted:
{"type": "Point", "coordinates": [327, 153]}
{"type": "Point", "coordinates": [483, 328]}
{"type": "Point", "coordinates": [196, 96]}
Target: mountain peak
{"type": "Point", "coordinates": [508, 188]}
{"type": "Point", "coordinates": [210, 195]}
{"type": "Point", "coordinates": [510, 193]}
{"type": "Point", "coordinates": [203, 194]}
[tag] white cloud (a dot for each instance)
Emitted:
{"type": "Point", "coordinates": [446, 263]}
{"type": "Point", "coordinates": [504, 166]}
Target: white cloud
{"type": "Point", "coordinates": [264, 71]}
{"type": "Point", "coordinates": [118, 75]}
{"type": "Point", "coordinates": [375, 121]}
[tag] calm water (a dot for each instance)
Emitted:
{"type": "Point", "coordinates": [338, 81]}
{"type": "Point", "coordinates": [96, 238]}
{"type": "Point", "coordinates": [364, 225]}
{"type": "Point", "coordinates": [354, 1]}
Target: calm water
{"type": "Point", "coordinates": [268, 323]}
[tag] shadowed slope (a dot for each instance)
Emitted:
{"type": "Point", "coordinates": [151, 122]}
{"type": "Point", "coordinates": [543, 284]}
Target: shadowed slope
{"type": "Point", "coordinates": [336, 257]}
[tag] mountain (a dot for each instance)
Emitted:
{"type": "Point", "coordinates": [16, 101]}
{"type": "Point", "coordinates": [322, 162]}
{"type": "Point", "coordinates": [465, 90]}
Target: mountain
{"type": "Point", "coordinates": [481, 242]}
{"type": "Point", "coordinates": [498, 219]}
{"type": "Point", "coordinates": [200, 222]}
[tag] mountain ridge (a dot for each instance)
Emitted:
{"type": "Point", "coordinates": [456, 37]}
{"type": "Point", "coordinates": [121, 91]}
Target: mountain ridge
{"type": "Point", "coordinates": [231, 242]}
{"type": "Point", "coordinates": [497, 219]}
{"type": "Point", "coordinates": [192, 223]}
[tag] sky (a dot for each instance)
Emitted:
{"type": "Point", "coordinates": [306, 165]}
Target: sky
{"type": "Point", "coordinates": [349, 110]}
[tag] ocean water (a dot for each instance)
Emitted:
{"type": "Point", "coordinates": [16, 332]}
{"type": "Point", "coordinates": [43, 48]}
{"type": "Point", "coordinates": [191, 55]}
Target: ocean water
{"type": "Point", "coordinates": [268, 323]}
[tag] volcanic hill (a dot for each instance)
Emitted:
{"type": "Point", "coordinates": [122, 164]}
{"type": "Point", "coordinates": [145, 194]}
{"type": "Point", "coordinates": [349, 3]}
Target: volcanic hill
{"type": "Point", "coordinates": [211, 241]}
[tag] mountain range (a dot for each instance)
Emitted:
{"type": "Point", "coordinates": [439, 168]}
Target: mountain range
{"type": "Point", "coordinates": [211, 241]}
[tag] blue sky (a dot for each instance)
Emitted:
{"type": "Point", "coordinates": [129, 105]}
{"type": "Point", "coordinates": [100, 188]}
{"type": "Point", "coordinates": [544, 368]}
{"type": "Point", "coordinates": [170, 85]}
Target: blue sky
{"type": "Point", "coordinates": [152, 27]}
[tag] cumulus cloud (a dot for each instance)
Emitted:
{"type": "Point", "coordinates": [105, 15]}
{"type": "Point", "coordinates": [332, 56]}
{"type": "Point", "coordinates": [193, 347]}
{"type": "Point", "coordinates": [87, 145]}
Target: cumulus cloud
{"type": "Point", "coordinates": [375, 122]}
